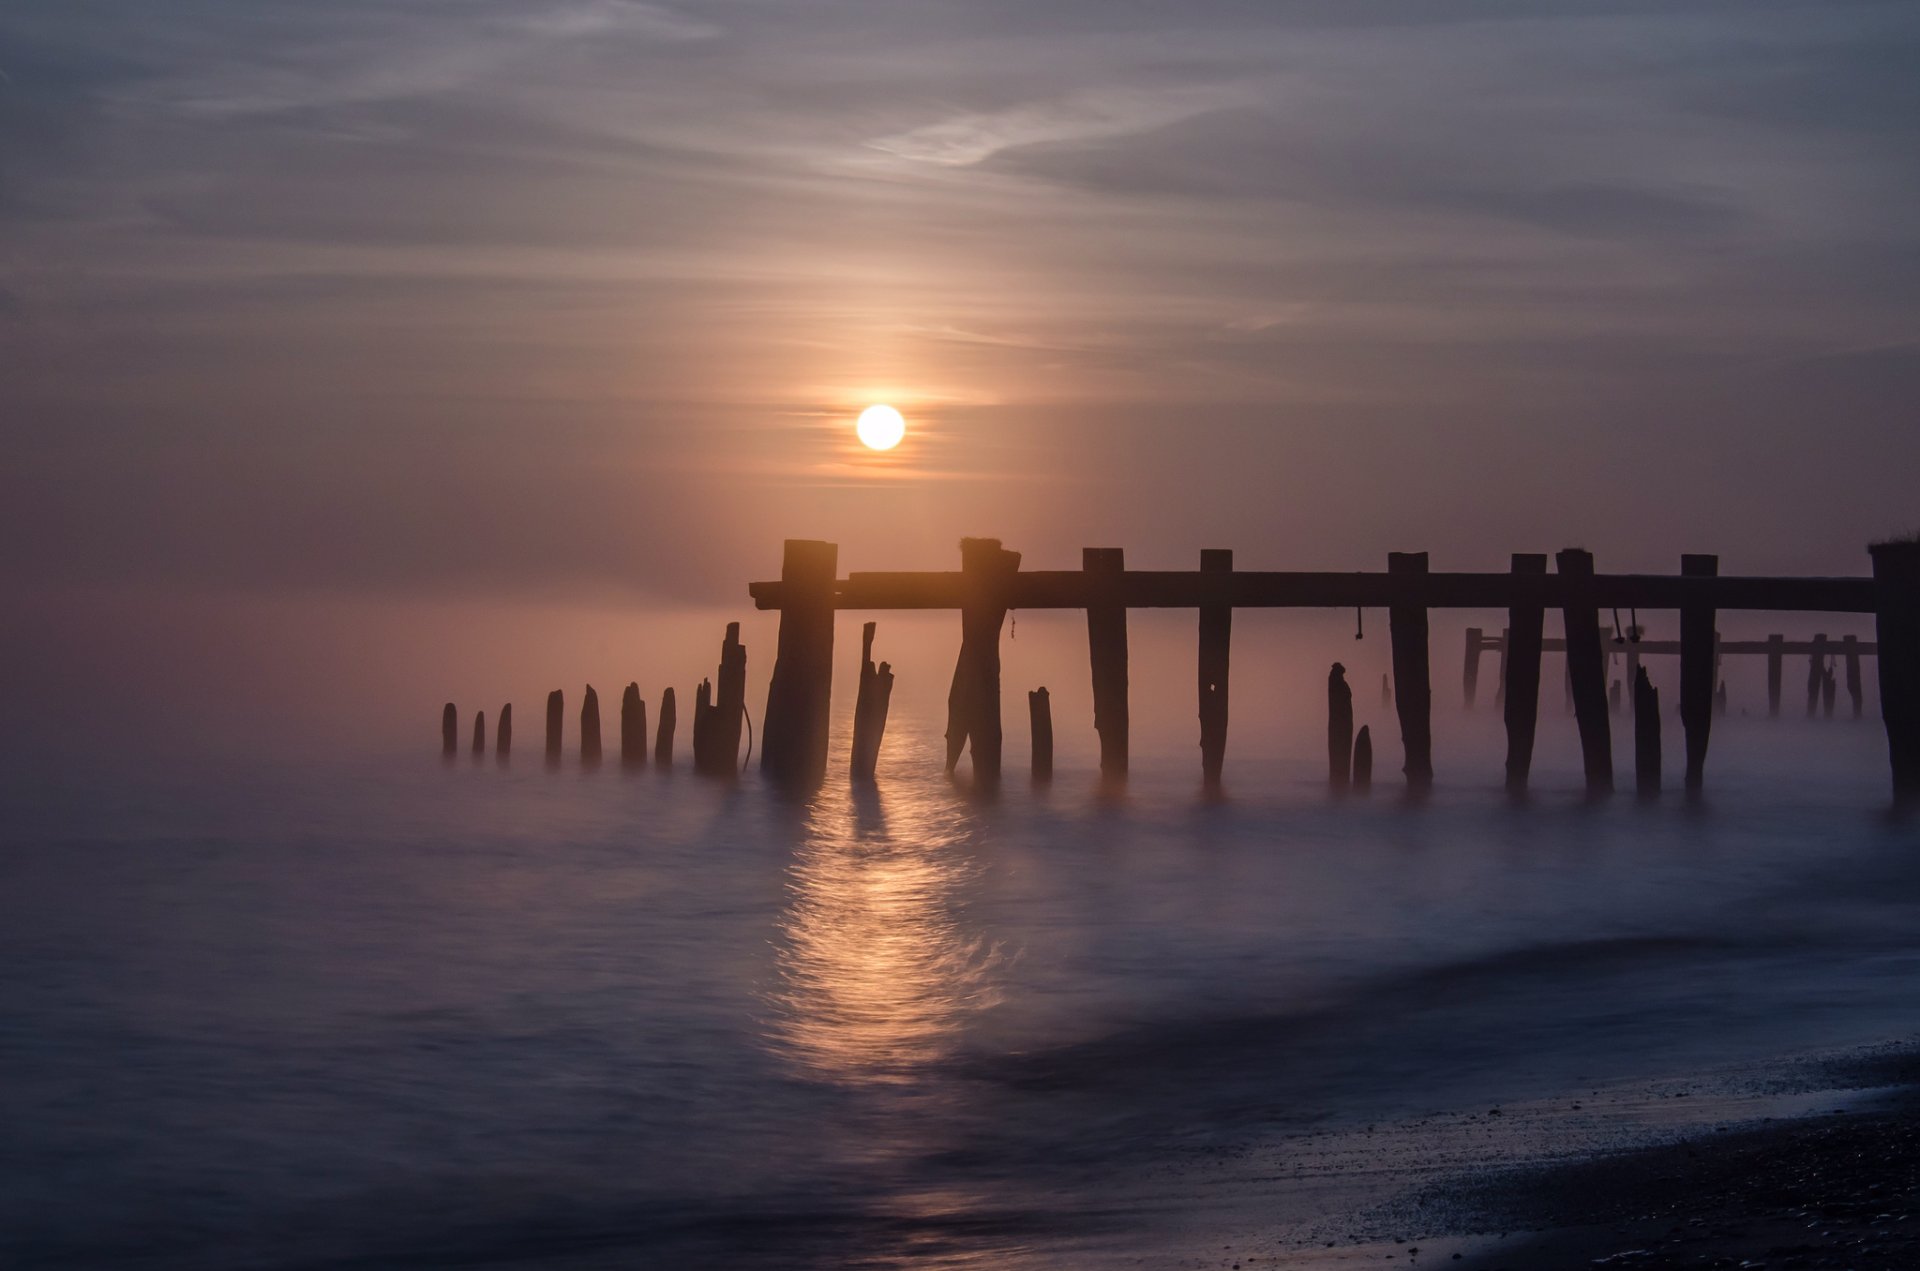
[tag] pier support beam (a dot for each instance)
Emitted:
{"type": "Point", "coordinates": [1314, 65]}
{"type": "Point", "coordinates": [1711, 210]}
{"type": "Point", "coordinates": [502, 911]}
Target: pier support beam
{"type": "Point", "coordinates": [633, 728]}
{"type": "Point", "coordinates": [1470, 673]}
{"type": "Point", "coordinates": [556, 725]}
{"type": "Point", "coordinates": [800, 694]}
{"type": "Point", "coordinates": [479, 734]}
{"type": "Point", "coordinates": [1413, 691]}
{"type": "Point", "coordinates": [1646, 734]}
{"type": "Point", "coordinates": [973, 703]}
{"type": "Point", "coordinates": [503, 735]}
{"type": "Point", "coordinates": [449, 730]}
{"type": "Point", "coordinates": [1776, 656]}
{"type": "Point", "coordinates": [1896, 578]}
{"type": "Point", "coordinates": [1107, 650]}
{"type": "Point", "coordinates": [663, 735]}
{"type": "Point", "coordinates": [1816, 673]}
{"type": "Point", "coordinates": [1363, 760]}
{"type": "Point", "coordinates": [1216, 637]}
{"type": "Point", "coordinates": [1040, 717]}
{"type": "Point", "coordinates": [717, 711]}
{"type": "Point", "coordinates": [1339, 729]}
{"type": "Point", "coordinates": [1699, 667]}
{"type": "Point", "coordinates": [1586, 669]}
{"type": "Point", "coordinates": [590, 729]}
{"type": "Point", "coordinates": [869, 710]}
{"type": "Point", "coordinates": [1851, 647]}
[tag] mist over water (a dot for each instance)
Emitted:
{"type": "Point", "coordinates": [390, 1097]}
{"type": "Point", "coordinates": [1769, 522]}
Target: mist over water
{"type": "Point", "coordinates": [368, 1014]}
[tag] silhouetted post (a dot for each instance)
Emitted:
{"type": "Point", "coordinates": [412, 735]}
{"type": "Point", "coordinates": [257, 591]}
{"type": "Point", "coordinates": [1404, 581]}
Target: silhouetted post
{"type": "Point", "coordinates": [1776, 657]}
{"type": "Point", "coordinates": [633, 728]}
{"type": "Point", "coordinates": [800, 695]}
{"type": "Point", "coordinates": [1040, 716]}
{"type": "Point", "coordinates": [703, 732]}
{"type": "Point", "coordinates": [1851, 644]}
{"type": "Point", "coordinates": [479, 734]}
{"type": "Point", "coordinates": [503, 735]}
{"type": "Point", "coordinates": [1632, 656]}
{"type": "Point", "coordinates": [1646, 734]}
{"type": "Point", "coordinates": [1107, 649]}
{"type": "Point", "coordinates": [1470, 674]}
{"type": "Point", "coordinates": [973, 701]}
{"type": "Point", "coordinates": [1363, 760]}
{"type": "Point", "coordinates": [1586, 666]}
{"type": "Point", "coordinates": [1816, 672]}
{"type": "Point", "coordinates": [590, 729]}
{"type": "Point", "coordinates": [555, 725]}
{"type": "Point", "coordinates": [1828, 690]}
{"type": "Point", "coordinates": [869, 710]}
{"type": "Point", "coordinates": [663, 735]}
{"type": "Point", "coordinates": [1698, 642]}
{"type": "Point", "coordinates": [1216, 637]}
{"type": "Point", "coordinates": [1339, 729]}
{"type": "Point", "coordinates": [1896, 577]}
{"type": "Point", "coordinates": [1500, 673]}
{"type": "Point", "coordinates": [1407, 632]}
{"type": "Point", "coordinates": [449, 730]}
{"type": "Point", "coordinates": [717, 711]}
{"type": "Point", "coordinates": [1522, 683]}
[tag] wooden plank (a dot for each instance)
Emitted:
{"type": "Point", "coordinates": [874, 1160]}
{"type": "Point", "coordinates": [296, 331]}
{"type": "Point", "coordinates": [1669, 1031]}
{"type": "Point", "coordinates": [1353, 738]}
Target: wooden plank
{"type": "Point", "coordinates": [1107, 651]}
{"type": "Point", "coordinates": [1520, 690]}
{"type": "Point", "coordinates": [1697, 672]}
{"type": "Point", "coordinates": [1216, 639]}
{"type": "Point", "coordinates": [1586, 669]}
{"type": "Point", "coordinates": [1412, 689]}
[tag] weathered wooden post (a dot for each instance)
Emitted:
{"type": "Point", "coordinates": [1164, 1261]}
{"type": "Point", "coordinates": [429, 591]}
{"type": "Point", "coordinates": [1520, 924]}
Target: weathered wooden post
{"type": "Point", "coordinates": [1107, 650]}
{"type": "Point", "coordinates": [973, 700]}
{"type": "Point", "coordinates": [1852, 646]}
{"type": "Point", "coordinates": [1776, 658]}
{"type": "Point", "coordinates": [1829, 688]}
{"type": "Point", "coordinates": [633, 728]}
{"type": "Point", "coordinates": [1646, 734]}
{"type": "Point", "coordinates": [869, 710]}
{"type": "Point", "coordinates": [1816, 673]}
{"type": "Point", "coordinates": [663, 736]}
{"type": "Point", "coordinates": [1615, 698]}
{"type": "Point", "coordinates": [449, 730]}
{"type": "Point", "coordinates": [590, 729]}
{"type": "Point", "coordinates": [479, 734]}
{"type": "Point", "coordinates": [718, 708]}
{"type": "Point", "coordinates": [555, 725]}
{"type": "Point", "coordinates": [1339, 729]}
{"type": "Point", "coordinates": [1525, 618]}
{"type": "Point", "coordinates": [1040, 717]}
{"type": "Point", "coordinates": [503, 735]}
{"type": "Point", "coordinates": [1470, 674]}
{"type": "Point", "coordinates": [1500, 673]}
{"type": "Point", "coordinates": [1363, 760]}
{"type": "Point", "coordinates": [1698, 642]}
{"type": "Point", "coordinates": [1896, 578]}
{"type": "Point", "coordinates": [703, 762]}
{"type": "Point", "coordinates": [1413, 695]}
{"type": "Point", "coordinates": [1586, 667]}
{"type": "Point", "coordinates": [1216, 637]}
{"type": "Point", "coordinates": [800, 695]}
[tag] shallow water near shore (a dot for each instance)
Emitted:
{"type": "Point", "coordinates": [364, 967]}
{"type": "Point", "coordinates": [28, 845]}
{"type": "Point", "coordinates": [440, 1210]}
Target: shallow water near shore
{"type": "Point", "coordinates": [409, 1013]}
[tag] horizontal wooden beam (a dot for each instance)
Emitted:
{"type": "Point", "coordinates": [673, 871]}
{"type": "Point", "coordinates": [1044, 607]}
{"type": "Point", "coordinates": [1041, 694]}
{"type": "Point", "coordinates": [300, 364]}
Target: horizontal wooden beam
{"type": "Point", "coordinates": [1865, 648]}
{"type": "Point", "coordinates": [1156, 589]}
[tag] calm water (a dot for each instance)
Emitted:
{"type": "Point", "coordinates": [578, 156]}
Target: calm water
{"type": "Point", "coordinates": [414, 1014]}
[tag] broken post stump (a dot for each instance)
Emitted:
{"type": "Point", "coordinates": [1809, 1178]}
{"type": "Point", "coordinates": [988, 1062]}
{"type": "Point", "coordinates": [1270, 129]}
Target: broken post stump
{"type": "Point", "coordinates": [555, 725]}
{"type": "Point", "coordinates": [973, 699]}
{"type": "Point", "coordinates": [1522, 682]}
{"type": "Point", "coordinates": [503, 734]}
{"type": "Point", "coordinates": [1698, 644]}
{"type": "Point", "coordinates": [1586, 668]}
{"type": "Point", "coordinates": [869, 710]}
{"type": "Point", "coordinates": [1816, 673]}
{"type": "Point", "coordinates": [663, 736]}
{"type": "Point", "coordinates": [449, 730]}
{"type": "Point", "coordinates": [717, 710]}
{"type": "Point", "coordinates": [1339, 729]}
{"type": "Point", "coordinates": [1107, 651]}
{"type": "Point", "coordinates": [479, 734]}
{"type": "Point", "coordinates": [590, 729]}
{"type": "Point", "coordinates": [1216, 638]}
{"type": "Point", "coordinates": [1040, 717]}
{"type": "Point", "coordinates": [1851, 645]}
{"type": "Point", "coordinates": [1646, 734]}
{"type": "Point", "coordinates": [793, 746]}
{"type": "Point", "coordinates": [1363, 760]}
{"type": "Point", "coordinates": [1896, 580]}
{"type": "Point", "coordinates": [633, 728]}
{"type": "Point", "coordinates": [703, 729]}
{"type": "Point", "coordinates": [1407, 632]}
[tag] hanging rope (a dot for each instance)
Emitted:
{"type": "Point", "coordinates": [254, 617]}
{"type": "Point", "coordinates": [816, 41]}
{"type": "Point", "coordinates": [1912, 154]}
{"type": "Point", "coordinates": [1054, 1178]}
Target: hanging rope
{"type": "Point", "coordinates": [1617, 637]}
{"type": "Point", "coordinates": [1634, 628]}
{"type": "Point", "coordinates": [1359, 623]}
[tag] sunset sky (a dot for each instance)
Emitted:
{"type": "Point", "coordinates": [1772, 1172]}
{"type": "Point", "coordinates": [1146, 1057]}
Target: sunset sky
{"type": "Point", "coordinates": [347, 308]}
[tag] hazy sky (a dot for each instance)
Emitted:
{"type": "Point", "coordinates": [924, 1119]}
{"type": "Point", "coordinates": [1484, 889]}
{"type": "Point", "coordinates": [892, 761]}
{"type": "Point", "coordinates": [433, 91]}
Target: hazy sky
{"type": "Point", "coordinates": [573, 302]}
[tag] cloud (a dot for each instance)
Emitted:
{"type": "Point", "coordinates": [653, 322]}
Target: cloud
{"type": "Point", "coordinates": [968, 139]}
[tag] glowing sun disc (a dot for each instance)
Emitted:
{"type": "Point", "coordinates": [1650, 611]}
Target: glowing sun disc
{"type": "Point", "coordinates": [880, 427]}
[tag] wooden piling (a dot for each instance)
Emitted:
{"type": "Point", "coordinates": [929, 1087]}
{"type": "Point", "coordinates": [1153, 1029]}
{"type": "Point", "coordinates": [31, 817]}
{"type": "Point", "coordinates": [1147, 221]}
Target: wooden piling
{"type": "Point", "coordinates": [555, 725]}
{"type": "Point", "coordinates": [1413, 692]}
{"type": "Point", "coordinates": [663, 736]}
{"type": "Point", "coordinates": [1522, 685]}
{"type": "Point", "coordinates": [1470, 674]}
{"type": "Point", "coordinates": [1339, 729]}
{"type": "Point", "coordinates": [718, 708]}
{"type": "Point", "coordinates": [1896, 581]}
{"type": "Point", "coordinates": [869, 710]}
{"type": "Point", "coordinates": [590, 729]}
{"type": "Point", "coordinates": [800, 695]}
{"type": "Point", "coordinates": [1816, 673]}
{"type": "Point", "coordinates": [973, 700]}
{"type": "Point", "coordinates": [1500, 674]}
{"type": "Point", "coordinates": [633, 728]}
{"type": "Point", "coordinates": [1586, 668]}
{"type": "Point", "coordinates": [1776, 658]}
{"type": "Point", "coordinates": [1363, 760]}
{"type": "Point", "coordinates": [1107, 651]}
{"type": "Point", "coordinates": [703, 761]}
{"type": "Point", "coordinates": [1216, 638]}
{"type": "Point", "coordinates": [1851, 646]}
{"type": "Point", "coordinates": [449, 730]}
{"type": "Point", "coordinates": [1646, 734]}
{"type": "Point", "coordinates": [1040, 717]}
{"type": "Point", "coordinates": [503, 734]}
{"type": "Point", "coordinates": [479, 734]}
{"type": "Point", "coordinates": [1697, 670]}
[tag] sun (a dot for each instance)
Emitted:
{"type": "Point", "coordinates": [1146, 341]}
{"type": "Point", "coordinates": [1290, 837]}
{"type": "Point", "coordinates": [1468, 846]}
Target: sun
{"type": "Point", "coordinates": [880, 427]}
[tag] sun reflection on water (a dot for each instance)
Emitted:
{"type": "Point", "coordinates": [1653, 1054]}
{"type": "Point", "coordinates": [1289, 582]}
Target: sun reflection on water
{"type": "Point", "coordinates": [878, 974]}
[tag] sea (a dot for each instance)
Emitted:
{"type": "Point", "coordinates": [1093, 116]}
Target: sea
{"type": "Point", "coordinates": [392, 1011]}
